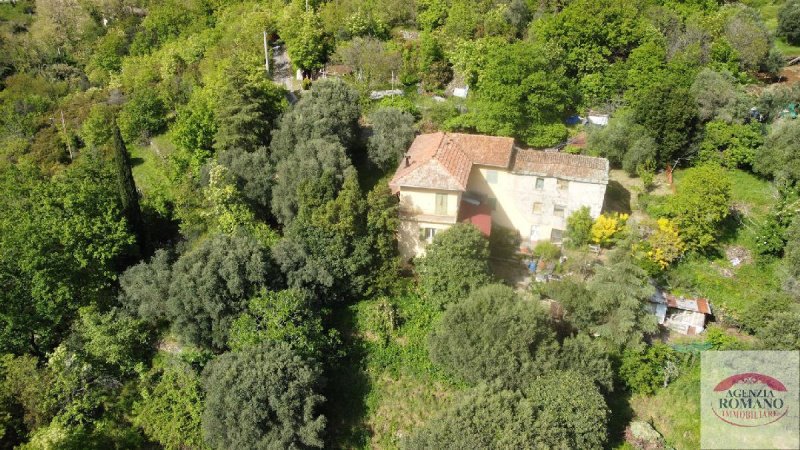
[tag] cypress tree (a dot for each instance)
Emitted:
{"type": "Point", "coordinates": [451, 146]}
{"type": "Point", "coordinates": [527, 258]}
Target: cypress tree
{"type": "Point", "coordinates": [127, 188]}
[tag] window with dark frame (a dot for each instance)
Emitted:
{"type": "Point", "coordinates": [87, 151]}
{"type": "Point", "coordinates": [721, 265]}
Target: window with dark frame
{"type": "Point", "coordinates": [559, 211]}
{"type": "Point", "coordinates": [539, 184]}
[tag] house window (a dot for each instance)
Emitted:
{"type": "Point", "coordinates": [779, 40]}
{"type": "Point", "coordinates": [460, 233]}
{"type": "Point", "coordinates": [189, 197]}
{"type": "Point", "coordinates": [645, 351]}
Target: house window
{"type": "Point", "coordinates": [534, 233]}
{"type": "Point", "coordinates": [441, 204]}
{"type": "Point", "coordinates": [556, 236]}
{"type": "Point", "coordinates": [427, 234]}
{"type": "Point", "coordinates": [491, 176]}
{"type": "Point", "coordinates": [492, 202]}
{"type": "Point", "coordinates": [558, 211]}
{"type": "Point", "coordinates": [537, 207]}
{"type": "Point", "coordinates": [539, 184]}
{"type": "Point", "coordinates": [563, 185]}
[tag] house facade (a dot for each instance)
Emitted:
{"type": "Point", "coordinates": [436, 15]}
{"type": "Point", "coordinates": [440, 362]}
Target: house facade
{"type": "Point", "coordinates": [446, 178]}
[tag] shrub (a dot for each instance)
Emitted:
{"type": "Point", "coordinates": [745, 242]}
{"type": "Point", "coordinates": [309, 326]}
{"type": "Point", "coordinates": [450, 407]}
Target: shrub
{"type": "Point", "coordinates": [579, 227]}
{"type": "Point", "coordinates": [645, 371]}
{"type": "Point", "coordinates": [547, 251]}
{"type": "Point", "coordinates": [455, 263]}
{"type": "Point", "coordinates": [607, 228]}
{"type": "Point", "coordinates": [789, 22]}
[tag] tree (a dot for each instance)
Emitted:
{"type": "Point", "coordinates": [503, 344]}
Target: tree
{"type": "Point", "coordinates": [329, 111]}
{"type": "Point", "coordinates": [747, 34]}
{"type": "Point", "coordinates": [789, 22]}
{"type": "Point", "coordinates": [717, 96]}
{"type": "Point", "coordinates": [494, 336]}
{"type": "Point", "coordinates": [488, 417]}
{"type": "Point", "coordinates": [306, 41]}
{"type": "Point", "coordinates": [579, 227]}
{"type": "Point", "coordinates": [60, 242]}
{"type": "Point", "coordinates": [211, 285]}
{"type": "Point", "coordinates": [582, 424]}
{"type": "Point", "coordinates": [668, 112]}
{"type": "Point", "coordinates": [732, 145]}
{"type": "Point", "coordinates": [281, 316]}
{"type": "Point", "coordinates": [455, 263]}
{"type": "Point", "coordinates": [145, 286]}
{"type": "Point", "coordinates": [702, 202]}
{"type": "Point", "coordinates": [624, 142]}
{"type": "Point", "coordinates": [582, 354]}
{"type": "Point", "coordinates": [392, 133]}
{"type": "Point", "coordinates": [776, 157]}
{"type": "Point", "coordinates": [782, 332]}
{"type": "Point", "coordinates": [263, 397]}
{"type": "Point", "coordinates": [325, 250]}
{"type": "Point", "coordinates": [112, 340]}
{"type": "Point", "coordinates": [621, 292]}
{"type": "Point", "coordinates": [171, 406]}
{"type": "Point", "coordinates": [248, 109]}
{"type": "Point", "coordinates": [142, 116]}
{"type": "Point", "coordinates": [313, 160]}
{"type": "Point", "coordinates": [127, 188]}
{"type": "Point", "coordinates": [520, 90]}
{"type": "Point", "coordinates": [382, 225]}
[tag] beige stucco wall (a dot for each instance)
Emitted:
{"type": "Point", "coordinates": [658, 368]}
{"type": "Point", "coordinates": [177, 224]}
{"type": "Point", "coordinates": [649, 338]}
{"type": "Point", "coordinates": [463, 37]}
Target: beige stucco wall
{"type": "Point", "coordinates": [423, 201]}
{"type": "Point", "coordinates": [409, 241]}
{"type": "Point", "coordinates": [515, 195]}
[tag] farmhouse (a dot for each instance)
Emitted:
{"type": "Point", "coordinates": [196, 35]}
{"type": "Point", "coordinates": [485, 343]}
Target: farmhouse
{"type": "Point", "coordinates": [446, 178]}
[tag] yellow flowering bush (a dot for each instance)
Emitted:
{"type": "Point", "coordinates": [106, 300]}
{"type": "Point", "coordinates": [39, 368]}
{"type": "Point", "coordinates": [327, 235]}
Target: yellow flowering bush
{"type": "Point", "coordinates": [666, 244]}
{"type": "Point", "coordinates": [607, 228]}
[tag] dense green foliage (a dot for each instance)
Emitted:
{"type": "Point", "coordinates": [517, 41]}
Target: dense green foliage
{"type": "Point", "coordinates": [455, 263]}
{"type": "Point", "coordinates": [190, 242]}
{"type": "Point", "coordinates": [494, 336]}
{"type": "Point", "coordinates": [261, 397]}
{"type": "Point", "coordinates": [489, 417]}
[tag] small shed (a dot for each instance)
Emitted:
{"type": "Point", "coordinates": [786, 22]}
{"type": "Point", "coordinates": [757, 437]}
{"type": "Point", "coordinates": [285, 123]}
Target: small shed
{"type": "Point", "coordinates": [683, 315]}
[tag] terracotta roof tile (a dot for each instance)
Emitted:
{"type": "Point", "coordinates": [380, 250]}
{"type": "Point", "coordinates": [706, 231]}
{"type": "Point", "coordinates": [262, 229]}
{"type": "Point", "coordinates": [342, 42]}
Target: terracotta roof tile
{"type": "Point", "coordinates": [561, 165]}
{"type": "Point", "coordinates": [444, 161]}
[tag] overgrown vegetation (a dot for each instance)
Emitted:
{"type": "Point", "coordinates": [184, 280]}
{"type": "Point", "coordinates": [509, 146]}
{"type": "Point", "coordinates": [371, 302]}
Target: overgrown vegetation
{"type": "Point", "coordinates": [191, 256]}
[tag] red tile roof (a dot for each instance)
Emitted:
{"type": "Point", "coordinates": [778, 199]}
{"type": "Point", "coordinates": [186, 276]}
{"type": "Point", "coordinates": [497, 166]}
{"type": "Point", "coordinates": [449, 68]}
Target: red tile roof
{"type": "Point", "coordinates": [444, 161]}
{"type": "Point", "coordinates": [561, 165]}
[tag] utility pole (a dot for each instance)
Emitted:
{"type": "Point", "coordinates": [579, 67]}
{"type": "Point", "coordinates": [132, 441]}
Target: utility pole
{"type": "Point", "coordinates": [66, 137]}
{"type": "Point", "coordinates": [266, 52]}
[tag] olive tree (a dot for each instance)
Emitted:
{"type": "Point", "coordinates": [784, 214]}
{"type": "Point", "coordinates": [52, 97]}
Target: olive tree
{"type": "Point", "coordinates": [494, 335]}
{"type": "Point", "coordinates": [263, 397]}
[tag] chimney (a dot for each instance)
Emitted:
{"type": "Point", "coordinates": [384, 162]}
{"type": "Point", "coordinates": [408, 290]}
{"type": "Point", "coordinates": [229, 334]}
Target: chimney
{"type": "Point", "coordinates": [408, 160]}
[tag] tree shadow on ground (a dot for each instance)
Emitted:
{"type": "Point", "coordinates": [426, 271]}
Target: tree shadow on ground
{"type": "Point", "coordinates": [618, 198]}
{"type": "Point", "coordinates": [621, 415]}
{"type": "Point", "coordinates": [136, 161]}
{"type": "Point", "coordinates": [347, 387]}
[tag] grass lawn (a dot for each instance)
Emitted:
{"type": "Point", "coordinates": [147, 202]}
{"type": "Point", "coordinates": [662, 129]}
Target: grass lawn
{"type": "Point", "coordinates": [731, 288]}
{"type": "Point", "coordinates": [389, 372]}
{"type": "Point", "coordinates": [675, 410]}
{"type": "Point", "coordinates": [149, 166]}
